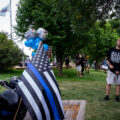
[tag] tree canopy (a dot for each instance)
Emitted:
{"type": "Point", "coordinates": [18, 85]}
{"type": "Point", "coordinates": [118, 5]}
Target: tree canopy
{"type": "Point", "coordinates": [10, 54]}
{"type": "Point", "coordinates": [68, 22]}
{"type": "Point", "coordinates": [101, 40]}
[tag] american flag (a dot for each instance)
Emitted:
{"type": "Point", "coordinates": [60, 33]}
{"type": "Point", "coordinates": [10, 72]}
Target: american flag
{"type": "Point", "coordinates": [39, 90]}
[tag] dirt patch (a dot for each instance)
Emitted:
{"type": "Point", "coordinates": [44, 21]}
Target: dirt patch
{"type": "Point", "coordinates": [73, 110]}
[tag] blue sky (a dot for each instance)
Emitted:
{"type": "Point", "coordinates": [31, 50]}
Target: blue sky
{"type": "Point", "coordinates": [5, 22]}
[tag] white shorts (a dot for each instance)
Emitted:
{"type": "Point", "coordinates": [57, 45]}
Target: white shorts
{"type": "Point", "coordinates": [112, 78]}
{"type": "Point", "coordinates": [78, 68]}
{"type": "Point", "coordinates": [105, 67]}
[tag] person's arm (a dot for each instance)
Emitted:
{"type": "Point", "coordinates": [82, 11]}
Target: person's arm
{"type": "Point", "coordinates": [112, 67]}
{"type": "Point", "coordinates": [108, 59]}
{"type": "Point", "coordinates": [109, 64]}
{"type": "Point", "coordinates": [117, 70]}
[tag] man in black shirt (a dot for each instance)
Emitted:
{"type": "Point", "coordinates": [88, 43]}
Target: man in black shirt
{"type": "Point", "coordinates": [113, 60]}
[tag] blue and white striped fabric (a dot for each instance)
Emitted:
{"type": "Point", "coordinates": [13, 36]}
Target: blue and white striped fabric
{"type": "Point", "coordinates": [39, 89]}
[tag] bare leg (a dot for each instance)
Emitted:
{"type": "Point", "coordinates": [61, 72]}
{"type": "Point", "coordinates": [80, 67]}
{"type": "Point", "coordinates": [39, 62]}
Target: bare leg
{"type": "Point", "coordinates": [117, 99]}
{"type": "Point", "coordinates": [77, 73]}
{"type": "Point", "coordinates": [88, 68]}
{"type": "Point", "coordinates": [108, 88]}
{"type": "Point", "coordinates": [117, 90]}
{"type": "Point", "coordinates": [85, 68]}
{"type": "Point", "coordinates": [80, 74]}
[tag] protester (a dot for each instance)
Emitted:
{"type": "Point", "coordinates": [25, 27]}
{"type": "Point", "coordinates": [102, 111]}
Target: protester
{"type": "Point", "coordinates": [113, 60]}
{"type": "Point", "coordinates": [82, 64]}
{"type": "Point", "coordinates": [67, 62]}
{"type": "Point", "coordinates": [87, 66]}
{"type": "Point", "coordinates": [78, 65]}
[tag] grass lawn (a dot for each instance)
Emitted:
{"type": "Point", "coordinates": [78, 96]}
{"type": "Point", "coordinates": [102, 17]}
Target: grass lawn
{"type": "Point", "coordinates": [91, 88]}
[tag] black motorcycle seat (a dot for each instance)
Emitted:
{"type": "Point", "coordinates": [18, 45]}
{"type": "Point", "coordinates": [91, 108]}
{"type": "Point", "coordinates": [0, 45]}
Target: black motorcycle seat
{"type": "Point", "coordinates": [10, 96]}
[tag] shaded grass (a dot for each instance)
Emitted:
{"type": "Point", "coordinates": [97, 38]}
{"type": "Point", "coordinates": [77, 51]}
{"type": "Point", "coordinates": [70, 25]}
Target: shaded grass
{"type": "Point", "coordinates": [6, 75]}
{"type": "Point", "coordinates": [91, 88]}
{"type": "Point", "coordinates": [10, 73]}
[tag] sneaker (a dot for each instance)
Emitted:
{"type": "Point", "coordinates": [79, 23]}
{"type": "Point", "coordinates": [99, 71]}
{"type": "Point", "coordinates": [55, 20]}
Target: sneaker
{"type": "Point", "coordinates": [106, 98]}
{"type": "Point", "coordinates": [117, 99]}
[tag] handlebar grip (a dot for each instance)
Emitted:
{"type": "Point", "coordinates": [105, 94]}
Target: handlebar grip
{"type": "Point", "coordinates": [2, 83]}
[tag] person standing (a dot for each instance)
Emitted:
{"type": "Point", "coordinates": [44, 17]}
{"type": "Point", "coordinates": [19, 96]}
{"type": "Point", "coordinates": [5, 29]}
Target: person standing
{"type": "Point", "coordinates": [82, 64]}
{"type": "Point", "coordinates": [87, 66]}
{"type": "Point", "coordinates": [67, 62]}
{"type": "Point", "coordinates": [113, 60]}
{"type": "Point", "coordinates": [78, 65]}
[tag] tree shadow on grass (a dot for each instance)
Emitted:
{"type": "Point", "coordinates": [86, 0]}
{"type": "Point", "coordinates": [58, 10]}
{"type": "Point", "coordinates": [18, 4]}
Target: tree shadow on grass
{"type": "Point", "coordinates": [12, 71]}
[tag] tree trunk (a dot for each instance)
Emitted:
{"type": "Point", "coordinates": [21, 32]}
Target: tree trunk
{"type": "Point", "coordinates": [59, 65]}
{"type": "Point", "coordinates": [97, 66]}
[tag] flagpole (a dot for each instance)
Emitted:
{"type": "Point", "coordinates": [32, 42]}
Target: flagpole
{"type": "Point", "coordinates": [11, 18]}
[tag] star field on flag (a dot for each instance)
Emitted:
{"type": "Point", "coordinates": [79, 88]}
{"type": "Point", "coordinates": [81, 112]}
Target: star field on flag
{"type": "Point", "coordinates": [39, 89]}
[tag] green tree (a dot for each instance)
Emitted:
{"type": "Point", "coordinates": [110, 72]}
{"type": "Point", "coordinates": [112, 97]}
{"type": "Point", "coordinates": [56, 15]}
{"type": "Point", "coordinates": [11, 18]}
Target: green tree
{"type": "Point", "coordinates": [47, 14]}
{"type": "Point", "coordinates": [86, 12]}
{"type": "Point", "coordinates": [10, 54]}
{"type": "Point", "coordinates": [67, 22]}
{"type": "Point", "coordinates": [115, 24]}
{"type": "Point", "coordinates": [101, 39]}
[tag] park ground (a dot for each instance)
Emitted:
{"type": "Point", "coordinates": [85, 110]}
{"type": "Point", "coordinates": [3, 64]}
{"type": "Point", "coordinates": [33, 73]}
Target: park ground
{"type": "Point", "coordinates": [90, 88]}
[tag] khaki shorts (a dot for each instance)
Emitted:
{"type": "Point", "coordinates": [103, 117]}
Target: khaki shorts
{"type": "Point", "coordinates": [112, 78]}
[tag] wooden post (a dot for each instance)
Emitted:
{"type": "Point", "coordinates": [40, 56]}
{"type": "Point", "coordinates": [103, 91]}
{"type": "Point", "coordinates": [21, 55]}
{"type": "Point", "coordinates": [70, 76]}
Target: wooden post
{"type": "Point", "coordinates": [18, 108]}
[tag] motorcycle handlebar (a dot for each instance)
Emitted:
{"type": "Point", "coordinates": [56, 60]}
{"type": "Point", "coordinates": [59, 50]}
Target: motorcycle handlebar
{"type": "Point", "coordinates": [11, 84]}
{"type": "Point", "coordinates": [2, 83]}
{"type": "Point", "coordinates": [5, 84]}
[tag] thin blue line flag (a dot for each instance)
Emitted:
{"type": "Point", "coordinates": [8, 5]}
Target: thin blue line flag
{"type": "Point", "coordinates": [39, 90]}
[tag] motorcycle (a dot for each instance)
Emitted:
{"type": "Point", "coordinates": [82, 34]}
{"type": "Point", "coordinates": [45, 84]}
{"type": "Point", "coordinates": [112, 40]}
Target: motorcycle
{"type": "Point", "coordinates": [11, 105]}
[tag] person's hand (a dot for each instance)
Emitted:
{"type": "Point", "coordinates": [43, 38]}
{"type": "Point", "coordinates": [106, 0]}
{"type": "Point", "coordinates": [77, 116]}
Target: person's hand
{"type": "Point", "coordinates": [117, 72]}
{"type": "Point", "coordinates": [111, 66]}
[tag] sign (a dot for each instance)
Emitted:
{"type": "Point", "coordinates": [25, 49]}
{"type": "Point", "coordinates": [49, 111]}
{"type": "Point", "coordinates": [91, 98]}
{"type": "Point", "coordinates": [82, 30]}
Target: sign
{"type": "Point", "coordinates": [49, 52]}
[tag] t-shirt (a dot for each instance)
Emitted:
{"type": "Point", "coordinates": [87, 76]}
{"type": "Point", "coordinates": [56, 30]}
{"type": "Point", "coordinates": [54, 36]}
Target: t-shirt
{"type": "Point", "coordinates": [78, 61]}
{"type": "Point", "coordinates": [113, 56]}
